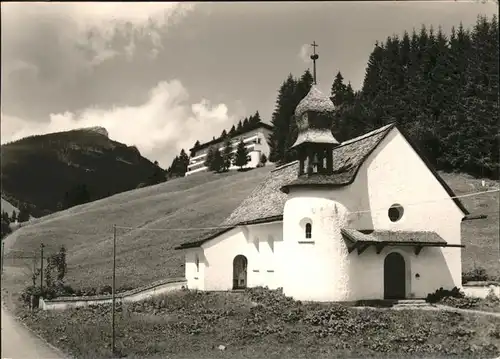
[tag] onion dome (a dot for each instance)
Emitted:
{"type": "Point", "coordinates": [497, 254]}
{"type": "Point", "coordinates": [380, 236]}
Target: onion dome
{"type": "Point", "coordinates": [314, 117]}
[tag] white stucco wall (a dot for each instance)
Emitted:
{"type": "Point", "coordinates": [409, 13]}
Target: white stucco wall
{"type": "Point", "coordinates": [195, 275]}
{"type": "Point", "coordinates": [367, 272]}
{"type": "Point", "coordinates": [316, 267]}
{"type": "Point", "coordinates": [260, 244]}
{"type": "Point", "coordinates": [396, 174]}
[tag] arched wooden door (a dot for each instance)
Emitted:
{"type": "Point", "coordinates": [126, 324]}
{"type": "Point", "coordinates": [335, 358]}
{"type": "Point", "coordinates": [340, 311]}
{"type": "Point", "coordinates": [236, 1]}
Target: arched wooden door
{"type": "Point", "coordinates": [394, 276]}
{"type": "Point", "coordinates": [240, 264]}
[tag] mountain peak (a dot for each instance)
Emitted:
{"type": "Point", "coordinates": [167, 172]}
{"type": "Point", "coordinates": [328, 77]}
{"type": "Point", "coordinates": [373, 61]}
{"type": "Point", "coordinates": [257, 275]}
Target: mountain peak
{"type": "Point", "coordinates": [97, 129]}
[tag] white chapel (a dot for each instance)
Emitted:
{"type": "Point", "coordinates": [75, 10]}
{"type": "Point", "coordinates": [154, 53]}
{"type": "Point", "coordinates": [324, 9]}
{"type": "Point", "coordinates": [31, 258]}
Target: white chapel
{"type": "Point", "coordinates": [359, 220]}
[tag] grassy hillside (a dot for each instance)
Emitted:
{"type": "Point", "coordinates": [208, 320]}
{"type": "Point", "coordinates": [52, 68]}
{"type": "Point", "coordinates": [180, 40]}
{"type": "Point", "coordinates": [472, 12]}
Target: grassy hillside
{"type": "Point", "coordinates": [38, 170]}
{"type": "Point", "coordinates": [8, 207]}
{"type": "Point", "coordinates": [481, 237]}
{"type": "Point", "coordinates": [200, 200]}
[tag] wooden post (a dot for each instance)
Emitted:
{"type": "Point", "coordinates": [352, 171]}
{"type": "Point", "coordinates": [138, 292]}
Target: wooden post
{"type": "Point", "coordinates": [41, 267]}
{"type": "Point", "coordinates": [113, 293]}
{"type": "Point", "coordinates": [3, 253]}
{"type": "Point", "coordinates": [34, 269]}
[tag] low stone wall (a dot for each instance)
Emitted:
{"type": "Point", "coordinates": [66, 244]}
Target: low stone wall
{"type": "Point", "coordinates": [134, 295]}
{"type": "Point", "coordinates": [481, 289]}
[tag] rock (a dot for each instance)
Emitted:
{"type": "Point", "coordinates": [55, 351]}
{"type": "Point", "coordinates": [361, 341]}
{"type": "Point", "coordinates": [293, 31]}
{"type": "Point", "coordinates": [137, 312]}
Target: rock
{"type": "Point", "coordinates": [221, 347]}
{"type": "Point", "coordinates": [97, 129]}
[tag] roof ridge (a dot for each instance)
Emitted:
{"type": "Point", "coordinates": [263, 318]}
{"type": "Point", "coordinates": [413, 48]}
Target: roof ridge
{"type": "Point", "coordinates": [368, 134]}
{"type": "Point", "coordinates": [285, 165]}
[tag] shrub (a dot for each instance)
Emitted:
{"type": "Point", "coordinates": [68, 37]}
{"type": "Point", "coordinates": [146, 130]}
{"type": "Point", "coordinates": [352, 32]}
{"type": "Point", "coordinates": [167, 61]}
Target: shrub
{"type": "Point", "coordinates": [491, 298]}
{"type": "Point", "coordinates": [478, 274]}
{"type": "Point", "coordinates": [464, 303]}
{"type": "Point", "coordinates": [106, 290]}
{"type": "Point", "coordinates": [441, 293]}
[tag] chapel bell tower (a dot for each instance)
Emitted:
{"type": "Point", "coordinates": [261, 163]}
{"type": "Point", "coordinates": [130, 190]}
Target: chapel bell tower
{"type": "Point", "coordinates": [314, 255]}
{"type": "Point", "coordinates": [315, 142]}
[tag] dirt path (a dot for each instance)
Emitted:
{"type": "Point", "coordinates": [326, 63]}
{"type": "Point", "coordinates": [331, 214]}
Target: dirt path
{"type": "Point", "coordinates": [473, 311]}
{"type": "Point", "coordinates": [18, 342]}
{"type": "Point", "coordinates": [438, 307]}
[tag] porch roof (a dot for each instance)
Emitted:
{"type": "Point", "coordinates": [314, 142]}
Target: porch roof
{"type": "Point", "coordinates": [362, 239]}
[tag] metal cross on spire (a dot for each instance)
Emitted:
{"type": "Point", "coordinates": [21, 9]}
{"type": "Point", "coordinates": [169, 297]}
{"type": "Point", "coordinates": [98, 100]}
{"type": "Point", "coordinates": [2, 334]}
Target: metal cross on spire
{"type": "Point", "coordinates": [314, 57]}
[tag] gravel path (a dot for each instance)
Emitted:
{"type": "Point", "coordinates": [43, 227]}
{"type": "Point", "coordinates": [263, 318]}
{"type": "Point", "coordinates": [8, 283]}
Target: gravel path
{"type": "Point", "coordinates": [18, 342]}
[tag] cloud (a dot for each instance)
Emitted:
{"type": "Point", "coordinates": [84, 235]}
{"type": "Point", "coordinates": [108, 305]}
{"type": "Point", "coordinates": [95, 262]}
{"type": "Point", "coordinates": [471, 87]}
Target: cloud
{"type": "Point", "coordinates": [102, 29]}
{"type": "Point", "coordinates": [304, 54]}
{"type": "Point", "coordinates": [159, 128]}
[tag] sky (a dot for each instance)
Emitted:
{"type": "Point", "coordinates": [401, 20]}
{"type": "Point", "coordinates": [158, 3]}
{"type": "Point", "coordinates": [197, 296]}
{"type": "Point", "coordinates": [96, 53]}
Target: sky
{"type": "Point", "coordinates": [162, 75]}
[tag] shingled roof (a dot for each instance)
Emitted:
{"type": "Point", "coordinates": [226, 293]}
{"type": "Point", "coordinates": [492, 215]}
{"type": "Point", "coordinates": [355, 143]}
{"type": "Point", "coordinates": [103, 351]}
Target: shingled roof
{"type": "Point", "coordinates": [267, 201]}
{"type": "Point", "coordinates": [362, 239]}
{"type": "Point", "coordinates": [384, 236]}
{"type": "Point", "coordinates": [347, 159]}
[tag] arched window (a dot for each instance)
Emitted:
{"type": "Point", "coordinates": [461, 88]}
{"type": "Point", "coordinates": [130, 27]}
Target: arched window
{"type": "Point", "coordinates": [308, 230]}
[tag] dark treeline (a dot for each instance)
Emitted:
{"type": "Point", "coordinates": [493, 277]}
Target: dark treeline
{"type": "Point", "coordinates": [442, 90]}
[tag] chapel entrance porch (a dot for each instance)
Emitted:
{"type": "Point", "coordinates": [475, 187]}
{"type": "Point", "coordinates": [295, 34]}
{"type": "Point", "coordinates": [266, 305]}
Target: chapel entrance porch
{"type": "Point", "coordinates": [240, 264]}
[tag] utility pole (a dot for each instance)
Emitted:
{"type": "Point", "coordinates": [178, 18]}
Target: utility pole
{"type": "Point", "coordinates": [34, 268]}
{"type": "Point", "coordinates": [113, 293]}
{"type": "Point", "coordinates": [41, 268]}
{"type": "Point", "coordinates": [3, 253]}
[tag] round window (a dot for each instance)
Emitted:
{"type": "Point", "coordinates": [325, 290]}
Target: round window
{"type": "Point", "coordinates": [396, 212]}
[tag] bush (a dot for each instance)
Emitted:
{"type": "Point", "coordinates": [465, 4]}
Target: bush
{"type": "Point", "coordinates": [441, 293]}
{"type": "Point", "coordinates": [478, 274]}
{"type": "Point", "coordinates": [106, 290]}
{"type": "Point", "coordinates": [464, 303]}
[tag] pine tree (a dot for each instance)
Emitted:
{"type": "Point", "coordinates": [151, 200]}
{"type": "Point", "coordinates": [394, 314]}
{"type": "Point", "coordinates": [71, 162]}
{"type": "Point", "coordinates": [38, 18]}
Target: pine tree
{"type": "Point", "coordinates": [371, 82]}
{"type": "Point", "coordinates": [223, 134]}
{"type": "Point", "coordinates": [239, 129]}
{"type": "Point", "coordinates": [209, 158]}
{"type": "Point", "coordinates": [349, 95]}
{"type": "Point", "coordinates": [281, 120]}
{"type": "Point", "coordinates": [217, 162]}
{"type": "Point", "coordinates": [227, 154]}
{"type": "Point", "coordinates": [245, 124]}
{"type": "Point", "coordinates": [263, 159]}
{"type": "Point", "coordinates": [13, 217]}
{"type": "Point", "coordinates": [255, 119]}
{"type": "Point", "coordinates": [182, 163]}
{"type": "Point", "coordinates": [24, 212]}
{"type": "Point", "coordinates": [232, 131]}
{"type": "Point", "coordinates": [301, 89]}
{"type": "Point", "coordinates": [339, 90]}
{"type": "Point", "coordinates": [241, 158]}
{"type": "Point", "coordinates": [5, 228]}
